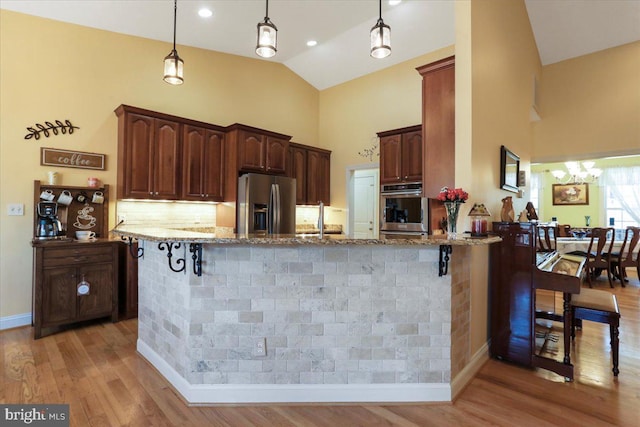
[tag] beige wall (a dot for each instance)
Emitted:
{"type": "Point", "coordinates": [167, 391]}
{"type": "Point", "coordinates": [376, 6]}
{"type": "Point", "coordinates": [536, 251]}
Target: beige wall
{"type": "Point", "coordinates": [51, 70]}
{"type": "Point", "coordinates": [504, 60]}
{"type": "Point", "coordinates": [590, 106]}
{"type": "Point", "coordinates": [352, 113]}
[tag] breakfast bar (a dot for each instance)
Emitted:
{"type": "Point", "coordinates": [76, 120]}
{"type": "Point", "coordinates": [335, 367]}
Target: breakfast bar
{"type": "Point", "coordinates": [304, 319]}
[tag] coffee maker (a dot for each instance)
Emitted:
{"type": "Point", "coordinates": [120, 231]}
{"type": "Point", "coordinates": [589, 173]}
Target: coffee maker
{"type": "Point", "coordinates": [48, 225]}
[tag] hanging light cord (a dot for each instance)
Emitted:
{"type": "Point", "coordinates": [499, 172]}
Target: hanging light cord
{"type": "Point", "coordinates": [380, 11]}
{"type": "Point", "coordinates": [266, 16]}
{"type": "Point", "coordinates": [175, 14]}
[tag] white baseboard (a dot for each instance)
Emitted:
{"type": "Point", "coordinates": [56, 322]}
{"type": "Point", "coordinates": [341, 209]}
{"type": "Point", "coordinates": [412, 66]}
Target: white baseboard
{"type": "Point", "coordinates": [295, 393]}
{"type": "Point", "coordinates": [15, 321]}
{"type": "Point", "coordinates": [469, 372]}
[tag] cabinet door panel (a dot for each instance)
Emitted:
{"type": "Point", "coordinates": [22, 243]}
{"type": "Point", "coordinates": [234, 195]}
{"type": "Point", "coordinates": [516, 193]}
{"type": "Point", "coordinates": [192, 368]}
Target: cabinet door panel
{"type": "Point", "coordinates": [58, 295]}
{"type": "Point", "coordinates": [138, 181]}
{"type": "Point", "coordinates": [318, 177]}
{"type": "Point", "coordinates": [325, 178]}
{"type": "Point", "coordinates": [167, 160]}
{"type": "Point", "coordinates": [213, 166]}
{"type": "Point", "coordinates": [193, 140]}
{"type": "Point", "coordinates": [412, 156]}
{"type": "Point", "coordinates": [438, 109]}
{"type": "Point", "coordinates": [390, 159]}
{"type": "Point", "coordinates": [276, 155]}
{"type": "Point", "coordinates": [298, 170]}
{"type": "Point", "coordinates": [251, 151]}
{"type": "Point", "coordinates": [99, 300]}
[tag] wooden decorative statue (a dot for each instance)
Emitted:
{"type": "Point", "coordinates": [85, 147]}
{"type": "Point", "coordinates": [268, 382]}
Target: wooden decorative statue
{"type": "Point", "coordinates": [507, 214]}
{"type": "Point", "coordinates": [531, 212]}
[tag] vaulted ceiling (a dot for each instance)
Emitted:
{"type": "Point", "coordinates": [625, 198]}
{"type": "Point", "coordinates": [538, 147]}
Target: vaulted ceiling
{"type": "Point", "coordinates": [562, 28]}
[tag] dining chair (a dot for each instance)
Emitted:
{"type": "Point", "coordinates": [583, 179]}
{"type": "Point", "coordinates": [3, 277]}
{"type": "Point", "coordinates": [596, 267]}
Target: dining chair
{"type": "Point", "coordinates": [625, 258]}
{"type": "Point", "coordinates": [547, 235]}
{"type": "Point", "coordinates": [598, 255]}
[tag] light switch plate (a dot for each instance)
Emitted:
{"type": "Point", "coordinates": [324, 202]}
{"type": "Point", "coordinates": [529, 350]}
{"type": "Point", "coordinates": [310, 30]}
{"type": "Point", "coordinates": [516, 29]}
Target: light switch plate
{"type": "Point", "coordinates": [15, 209]}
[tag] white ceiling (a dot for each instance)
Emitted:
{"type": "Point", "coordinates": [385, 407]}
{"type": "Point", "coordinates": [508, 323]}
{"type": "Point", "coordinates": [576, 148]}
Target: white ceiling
{"type": "Point", "coordinates": [562, 28]}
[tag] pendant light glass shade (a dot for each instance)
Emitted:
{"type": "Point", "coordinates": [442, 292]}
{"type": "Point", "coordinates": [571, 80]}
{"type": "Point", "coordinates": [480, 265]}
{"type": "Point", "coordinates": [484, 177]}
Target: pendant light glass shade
{"type": "Point", "coordinates": [173, 65]}
{"type": "Point", "coordinates": [173, 69]}
{"type": "Point", "coordinates": [380, 38]}
{"type": "Point", "coordinates": [267, 44]}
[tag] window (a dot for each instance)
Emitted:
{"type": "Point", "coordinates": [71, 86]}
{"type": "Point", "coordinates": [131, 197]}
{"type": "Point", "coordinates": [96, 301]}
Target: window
{"type": "Point", "coordinates": [622, 196]}
{"type": "Point", "coordinates": [535, 196]}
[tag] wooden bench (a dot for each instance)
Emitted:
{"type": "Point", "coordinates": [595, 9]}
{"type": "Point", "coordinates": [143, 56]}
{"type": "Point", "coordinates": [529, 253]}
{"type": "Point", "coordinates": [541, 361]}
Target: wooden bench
{"type": "Point", "coordinates": [597, 306]}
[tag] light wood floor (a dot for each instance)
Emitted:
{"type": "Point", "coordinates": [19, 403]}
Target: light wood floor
{"type": "Point", "coordinates": [97, 371]}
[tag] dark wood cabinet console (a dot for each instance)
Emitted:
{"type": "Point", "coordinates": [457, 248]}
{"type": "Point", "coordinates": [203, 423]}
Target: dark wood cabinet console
{"type": "Point", "coordinates": [72, 282]}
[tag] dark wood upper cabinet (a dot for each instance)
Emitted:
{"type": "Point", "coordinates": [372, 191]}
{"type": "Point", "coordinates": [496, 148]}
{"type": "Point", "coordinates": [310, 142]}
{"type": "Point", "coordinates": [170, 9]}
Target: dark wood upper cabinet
{"type": "Point", "coordinates": [148, 156]}
{"type": "Point", "coordinates": [311, 167]}
{"type": "Point", "coordinates": [166, 157]}
{"type": "Point", "coordinates": [202, 164]}
{"type": "Point", "coordinates": [401, 155]}
{"type": "Point", "coordinates": [438, 125]}
{"type": "Point", "coordinates": [249, 149]}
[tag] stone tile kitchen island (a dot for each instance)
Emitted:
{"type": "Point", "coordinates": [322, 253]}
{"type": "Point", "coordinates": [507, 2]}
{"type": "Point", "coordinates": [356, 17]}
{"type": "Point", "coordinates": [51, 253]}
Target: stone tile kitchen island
{"type": "Point", "coordinates": [291, 319]}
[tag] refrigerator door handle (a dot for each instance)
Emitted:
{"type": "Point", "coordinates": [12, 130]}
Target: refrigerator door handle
{"type": "Point", "coordinates": [245, 205]}
{"type": "Point", "coordinates": [277, 211]}
{"type": "Point", "coordinates": [270, 210]}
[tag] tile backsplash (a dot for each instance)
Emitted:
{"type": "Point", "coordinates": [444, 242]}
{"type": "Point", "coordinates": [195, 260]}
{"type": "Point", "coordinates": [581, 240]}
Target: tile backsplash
{"type": "Point", "coordinates": [186, 214]}
{"type": "Point", "coordinates": [173, 213]}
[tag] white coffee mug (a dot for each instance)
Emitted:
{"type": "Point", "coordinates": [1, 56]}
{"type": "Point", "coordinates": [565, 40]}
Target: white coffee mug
{"type": "Point", "coordinates": [47, 195]}
{"type": "Point", "coordinates": [53, 177]}
{"type": "Point", "coordinates": [85, 235]}
{"type": "Point", "coordinates": [98, 197]}
{"type": "Point", "coordinates": [65, 198]}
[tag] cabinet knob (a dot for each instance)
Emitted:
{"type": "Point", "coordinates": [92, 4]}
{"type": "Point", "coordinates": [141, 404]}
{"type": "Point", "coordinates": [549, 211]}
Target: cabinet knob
{"type": "Point", "coordinates": [406, 176]}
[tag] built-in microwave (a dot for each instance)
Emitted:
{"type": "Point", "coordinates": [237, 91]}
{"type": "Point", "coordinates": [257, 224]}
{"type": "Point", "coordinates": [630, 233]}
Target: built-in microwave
{"type": "Point", "coordinates": [403, 209]}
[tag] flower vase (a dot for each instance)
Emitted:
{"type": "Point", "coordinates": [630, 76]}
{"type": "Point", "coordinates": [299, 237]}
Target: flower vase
{"type": "Point", "coordinates": [452, 209]}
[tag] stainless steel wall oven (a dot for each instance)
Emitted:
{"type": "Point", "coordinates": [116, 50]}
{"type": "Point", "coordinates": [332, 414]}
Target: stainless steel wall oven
{"type": "Point", "coordinates": [403, 209]}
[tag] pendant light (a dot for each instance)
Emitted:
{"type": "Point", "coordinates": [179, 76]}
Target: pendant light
{"type": "Point", "coordinates": [267, 45]}
{"type": "Point", "coordinates": [380, 38]}
{"type": "Point", "coordinates": [173, 65]}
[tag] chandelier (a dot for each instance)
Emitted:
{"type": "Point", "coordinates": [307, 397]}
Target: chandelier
{"type": "Point", "coordinates": [576, 173]}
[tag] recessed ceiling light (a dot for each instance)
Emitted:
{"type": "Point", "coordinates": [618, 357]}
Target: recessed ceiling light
{"type": "Point", "coordinates": [312, 43]}
{"type": "Point", "coordinates": [205, 13]}
{"type": "Point", "coordinates": [394, 2]}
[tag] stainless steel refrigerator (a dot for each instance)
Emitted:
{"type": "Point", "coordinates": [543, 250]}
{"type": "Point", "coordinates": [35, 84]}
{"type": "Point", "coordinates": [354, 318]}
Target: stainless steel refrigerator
{"type": "Point", "coordinates": [266, 204]}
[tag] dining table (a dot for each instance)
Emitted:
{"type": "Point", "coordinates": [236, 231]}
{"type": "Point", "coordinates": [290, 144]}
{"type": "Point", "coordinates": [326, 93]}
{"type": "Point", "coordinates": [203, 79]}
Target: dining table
{"type": "Point", "coordinates": [570, 244]}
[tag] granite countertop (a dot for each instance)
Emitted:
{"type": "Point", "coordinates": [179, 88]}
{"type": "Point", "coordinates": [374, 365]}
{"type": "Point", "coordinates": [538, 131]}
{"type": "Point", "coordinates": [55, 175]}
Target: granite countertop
{"type": "Point", "coordinates": [212, 236]}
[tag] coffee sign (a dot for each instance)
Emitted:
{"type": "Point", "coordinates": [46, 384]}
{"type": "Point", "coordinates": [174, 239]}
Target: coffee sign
{"type": "Point", "coordinates": [71, 159]}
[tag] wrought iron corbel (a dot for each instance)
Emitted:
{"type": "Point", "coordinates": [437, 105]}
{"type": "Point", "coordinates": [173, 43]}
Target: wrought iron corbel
{"type": "Point", "coordinates": [170, 246]}
{"type": "Point", "coordinates": [196, 250]}
{"type": "Point", "coordinates": [129, 242]}
{"type": "Point", "coordinates": [443, 265]}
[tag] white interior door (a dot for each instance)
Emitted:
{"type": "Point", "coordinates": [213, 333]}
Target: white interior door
{"type": "Point", "coordinates": [364, 205]}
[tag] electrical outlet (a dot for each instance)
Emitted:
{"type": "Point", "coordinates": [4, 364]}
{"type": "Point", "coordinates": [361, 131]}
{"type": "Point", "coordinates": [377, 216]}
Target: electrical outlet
{"type": "Point", "coordinates": [15, 209]}
{"type": "Point", "coordinates": [260, 347]}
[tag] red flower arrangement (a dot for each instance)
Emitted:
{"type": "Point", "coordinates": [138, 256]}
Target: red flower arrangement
{"type": "Point", "coordinates": [453, 195]}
